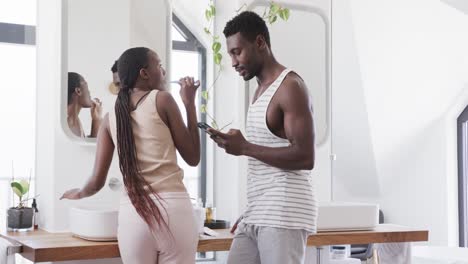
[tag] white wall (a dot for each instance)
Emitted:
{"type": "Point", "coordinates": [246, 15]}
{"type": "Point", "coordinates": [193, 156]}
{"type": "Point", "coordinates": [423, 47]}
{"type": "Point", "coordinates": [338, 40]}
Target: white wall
{"type": "Point", "coordinates": [354, 172]}
{"type": "Point", "coordinates": [192, 14]}
{"type": "Point", "coordinates": [228, 100]}
{"type": "Point", "coordinates": [148, 27]}
{"type": "Point", "coordinates": [398, 68]}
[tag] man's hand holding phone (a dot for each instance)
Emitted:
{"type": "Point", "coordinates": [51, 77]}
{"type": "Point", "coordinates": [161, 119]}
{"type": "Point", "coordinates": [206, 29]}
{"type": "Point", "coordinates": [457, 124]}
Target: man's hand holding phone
{"type": "Point", "coordinates": [205, 127]}
{"type": "Point", "coordinates": [233, 142]}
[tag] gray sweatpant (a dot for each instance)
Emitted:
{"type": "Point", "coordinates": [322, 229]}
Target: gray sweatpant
{"type": "Point", "coordinates": [267, 245]}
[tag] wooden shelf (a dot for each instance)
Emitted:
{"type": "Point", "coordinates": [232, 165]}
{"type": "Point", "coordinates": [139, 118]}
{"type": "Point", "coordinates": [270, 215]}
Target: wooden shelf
{"type": "Point", "coordinates": [42, 246]}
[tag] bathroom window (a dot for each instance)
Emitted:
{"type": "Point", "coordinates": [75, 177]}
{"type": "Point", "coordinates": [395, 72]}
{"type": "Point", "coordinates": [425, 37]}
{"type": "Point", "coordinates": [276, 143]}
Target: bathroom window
{"type": "Point", "coordinates": [18, 109]}
{"type": "Point", "coordinates": [462, 135]}
{"type": "Point", "coordinates": [188, 58]}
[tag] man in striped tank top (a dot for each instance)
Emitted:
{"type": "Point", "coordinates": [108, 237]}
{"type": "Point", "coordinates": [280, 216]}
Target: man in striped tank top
{"type": "Point", "coordinates": [281, 201]}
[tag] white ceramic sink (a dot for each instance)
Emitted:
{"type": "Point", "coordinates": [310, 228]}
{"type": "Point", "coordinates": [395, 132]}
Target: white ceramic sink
{"type": "Point", "coordinates": [342, 216]}
{"type": "Point", "coordinates": [96, 223]}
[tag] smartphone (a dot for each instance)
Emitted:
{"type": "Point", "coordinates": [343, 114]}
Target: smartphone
{"type": "Point", "coordinates": [204, 126]}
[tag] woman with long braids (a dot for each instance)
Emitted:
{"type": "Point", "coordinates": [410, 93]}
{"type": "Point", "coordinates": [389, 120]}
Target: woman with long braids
{"type": "Point", "coordinates": [156, 220]}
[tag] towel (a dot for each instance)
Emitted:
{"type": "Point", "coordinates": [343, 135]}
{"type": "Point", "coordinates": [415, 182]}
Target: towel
{"type": "Point", "coordinates": [393, 253]}
{"type": "Point", "coordinates": [6, 256]}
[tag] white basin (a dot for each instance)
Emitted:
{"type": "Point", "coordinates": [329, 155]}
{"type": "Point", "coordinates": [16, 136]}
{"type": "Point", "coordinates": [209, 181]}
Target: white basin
{"type": "Point", "coordinates": [96, 223]}
{"type": "Point", "coordinates": [342, 216]}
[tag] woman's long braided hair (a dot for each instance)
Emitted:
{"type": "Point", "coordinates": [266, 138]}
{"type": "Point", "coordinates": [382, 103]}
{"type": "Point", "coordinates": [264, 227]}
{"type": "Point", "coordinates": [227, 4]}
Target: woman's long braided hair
{"type": "Point", "coordinates": [139, 191]}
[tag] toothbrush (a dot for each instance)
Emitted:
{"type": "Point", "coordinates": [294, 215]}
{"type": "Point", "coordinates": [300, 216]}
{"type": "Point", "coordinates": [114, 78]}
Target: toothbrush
{"type": "Point", "coordinates": [177, 82]}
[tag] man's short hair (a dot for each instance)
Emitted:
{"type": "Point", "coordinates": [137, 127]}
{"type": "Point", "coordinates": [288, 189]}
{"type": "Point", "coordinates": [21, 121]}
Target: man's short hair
{"type": "Point", "coordinates": [114, 67]}
{"type": "Point", "coordinates": [250, 25]}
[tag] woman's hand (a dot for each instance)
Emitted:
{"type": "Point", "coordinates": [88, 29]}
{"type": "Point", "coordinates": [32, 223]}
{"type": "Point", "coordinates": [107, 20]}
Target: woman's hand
{"type": "Point", "coordinates": [188, 90]}
{"type": "Point", "coordinates": [96, 109]}
{"type": "Point", "coordinates": [73, 194]}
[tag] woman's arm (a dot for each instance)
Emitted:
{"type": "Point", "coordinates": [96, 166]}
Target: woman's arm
{"type": "Point", "coordinates": [186, 138]}
{"type": "Point", "coordinates": [104, 152]}
{"type": "Point", "coordinates": [96, 117]}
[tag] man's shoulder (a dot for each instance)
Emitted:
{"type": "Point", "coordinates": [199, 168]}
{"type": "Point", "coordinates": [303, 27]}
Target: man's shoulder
{"type": "Point", "coordinates": [293, 76]}
{"type": "Point", "coordinates": [293, 84]}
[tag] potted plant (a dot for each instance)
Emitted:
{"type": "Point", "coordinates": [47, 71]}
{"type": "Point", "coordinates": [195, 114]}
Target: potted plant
{"type": "Point", "coordinates": [20, 217]}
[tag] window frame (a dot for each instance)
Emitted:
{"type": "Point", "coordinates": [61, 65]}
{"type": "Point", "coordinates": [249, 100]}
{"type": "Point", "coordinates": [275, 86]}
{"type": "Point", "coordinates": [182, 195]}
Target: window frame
{"type": "Point", "coordinates": [462, 152]}
{"type": "Point", "coordinates": [22, 35]}
{"type": "Point", "coordinates": [192, 44]}
{"type": "Point", "coordinates": [17, 34]}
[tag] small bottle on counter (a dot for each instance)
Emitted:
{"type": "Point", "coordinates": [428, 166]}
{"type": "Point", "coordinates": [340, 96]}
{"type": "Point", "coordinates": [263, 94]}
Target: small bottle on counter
{"type": "Point", "coordinates": [210, 213]}
{"type": "Point", "coordinates": [35, 214]}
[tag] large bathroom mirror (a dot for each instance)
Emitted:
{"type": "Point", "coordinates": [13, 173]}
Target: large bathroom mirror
{"type": "Point", "coordinates": [95, 35]}
{"type": "Point", "coordinates": [97, 32]}
{"type": "Point", "coordinates": [303, 44]}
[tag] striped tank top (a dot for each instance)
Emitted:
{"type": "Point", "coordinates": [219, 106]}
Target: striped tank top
{"type": "Point", "coordinates": [276, 197]}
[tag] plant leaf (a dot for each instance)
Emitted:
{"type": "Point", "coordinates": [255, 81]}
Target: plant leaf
{"type": "Point", "coordinates": [216, 47]}
{"type": "Point", "coordinates": [286, 12]}
{"type": "Point", "coordinates": [213, 10]}
{"type": "Point", "coordinates": [25, 186]}
{"type": "Point", "coordinates": [274, 8]}
{"type": "Point", "coordinates": [17, 188]}
{"type": "Point", "coordinates": [203, 108]}
{"type": "Point", "coordinates": [208, 14]}
{"type": "Point", "coordinates": [217, 58]}
{"type": "Point", "coordinates": [205, 95]}
{"type": "Point", "coordinates": [272, 19]}
{"type": "Point", "coordinates": [207, 31]}
{"type": "Point", "coordinates": [213, 124]}
{"type": "Point", "coordinates": [281, 14]}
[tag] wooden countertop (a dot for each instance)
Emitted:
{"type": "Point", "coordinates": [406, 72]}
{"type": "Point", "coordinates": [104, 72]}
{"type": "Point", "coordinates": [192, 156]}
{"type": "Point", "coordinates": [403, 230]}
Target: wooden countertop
{"type": "Point", "coordinates": [42, 246]}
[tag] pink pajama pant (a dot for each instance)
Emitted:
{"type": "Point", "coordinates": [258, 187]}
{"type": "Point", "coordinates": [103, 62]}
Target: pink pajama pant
{"type": "Point", "coordinates": [137, 244]}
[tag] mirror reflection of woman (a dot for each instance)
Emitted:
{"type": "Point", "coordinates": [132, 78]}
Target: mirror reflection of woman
{"type": "Point", "coordinates": [79, 97]}
{"type": "Point", "coordinates": [156, 219]}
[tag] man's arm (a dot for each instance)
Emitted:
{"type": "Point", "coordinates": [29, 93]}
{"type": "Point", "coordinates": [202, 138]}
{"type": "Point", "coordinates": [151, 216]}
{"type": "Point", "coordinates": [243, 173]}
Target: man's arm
{"type": "Point", "coordinates": [298, 128]}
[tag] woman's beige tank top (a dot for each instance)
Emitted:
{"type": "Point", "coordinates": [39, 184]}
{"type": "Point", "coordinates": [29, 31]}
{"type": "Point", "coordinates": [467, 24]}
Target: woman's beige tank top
{"type": "Point", "coordinates": [156, 152]}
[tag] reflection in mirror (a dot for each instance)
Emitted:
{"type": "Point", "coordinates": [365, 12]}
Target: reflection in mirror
{"type": "Point", "coordinates": [305, 52]}
{"type": "Point", "coordinates": [114, 86]}
{"type": "Point", "coordinates": [97, 32]}
{"type": "Point", "coordinates": [79, 97]}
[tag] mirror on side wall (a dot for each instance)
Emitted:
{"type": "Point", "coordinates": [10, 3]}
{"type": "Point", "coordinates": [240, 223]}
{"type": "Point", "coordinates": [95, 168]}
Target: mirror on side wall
{"type": "Point", "coordinates": [96, 33]}
{"type": "Point", "coordinates": [303, 44]}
